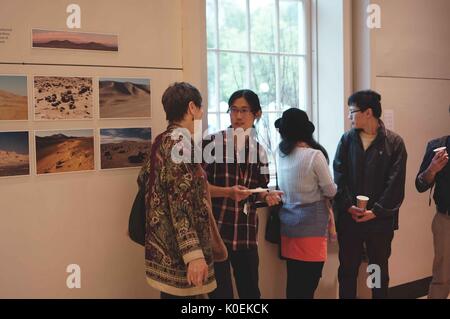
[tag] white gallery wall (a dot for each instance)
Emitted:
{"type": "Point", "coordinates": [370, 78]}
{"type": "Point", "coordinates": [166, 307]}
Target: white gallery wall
{"type": "Point", "coordinates": [411, 70]}
{"type": "Point", "coordinates": [50, 221]}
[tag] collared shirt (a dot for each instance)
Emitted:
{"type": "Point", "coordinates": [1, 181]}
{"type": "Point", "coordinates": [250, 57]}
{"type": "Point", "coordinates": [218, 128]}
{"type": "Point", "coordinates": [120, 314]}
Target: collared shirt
{"type": "Point", "coordinates": [238, 228]}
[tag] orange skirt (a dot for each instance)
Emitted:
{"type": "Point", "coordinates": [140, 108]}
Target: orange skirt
{"type": "Point", "coordinates": [304, 248]}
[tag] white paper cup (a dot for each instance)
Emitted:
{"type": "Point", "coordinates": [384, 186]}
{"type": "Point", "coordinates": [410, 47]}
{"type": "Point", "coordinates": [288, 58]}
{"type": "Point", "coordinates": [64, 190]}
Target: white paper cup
{"type": "Point", "coordinates": [362, 201]}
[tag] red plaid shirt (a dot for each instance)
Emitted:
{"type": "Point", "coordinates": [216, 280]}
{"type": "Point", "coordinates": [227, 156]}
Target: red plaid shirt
{"type": "Point", "coordinates": [238, 230]}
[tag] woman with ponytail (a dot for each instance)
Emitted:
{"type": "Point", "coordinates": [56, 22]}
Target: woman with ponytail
{"type": "Point", "coordinates": [305, 179]}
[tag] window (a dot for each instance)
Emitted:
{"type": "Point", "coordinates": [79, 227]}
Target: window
{"type": "Point", "coordinates": [261, 45]}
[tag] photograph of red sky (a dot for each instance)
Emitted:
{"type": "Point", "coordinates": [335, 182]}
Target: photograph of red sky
{"type": "Point", "coordinates": [74, 40]}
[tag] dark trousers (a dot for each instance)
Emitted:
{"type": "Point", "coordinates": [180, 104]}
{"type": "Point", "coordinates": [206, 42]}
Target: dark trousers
{"type": "Point", "coordinates": [164, 295]}
{"type": "Point", "coordinates": [350, 251]}
{"type": "Point", "coordinates": [245, 270]}
{"type": "Point", "coordinates": [302, 278]}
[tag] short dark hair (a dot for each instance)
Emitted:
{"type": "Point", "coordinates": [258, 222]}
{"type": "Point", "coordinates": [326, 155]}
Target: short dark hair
{"type": "Point", "coordinates": [251, 98]}
{"type": "Point", "coordinates": [366, 99]}
{"type": "Point", "coordinates": [176, 99]}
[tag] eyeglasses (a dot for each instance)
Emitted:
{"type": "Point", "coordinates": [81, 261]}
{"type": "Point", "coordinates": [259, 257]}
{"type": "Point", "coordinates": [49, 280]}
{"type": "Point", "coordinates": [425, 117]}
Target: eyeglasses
{"type": "Point", "coordinates": [235, 111]}
{"type": "Point", "coordinates": [353, 111]}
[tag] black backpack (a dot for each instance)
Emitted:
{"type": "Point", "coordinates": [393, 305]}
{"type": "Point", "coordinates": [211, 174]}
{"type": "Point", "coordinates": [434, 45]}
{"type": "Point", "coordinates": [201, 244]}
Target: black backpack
{"type": "Point", "coordinates": [136, 222]}
{"type": "Point", "coordinates": [137, 219]}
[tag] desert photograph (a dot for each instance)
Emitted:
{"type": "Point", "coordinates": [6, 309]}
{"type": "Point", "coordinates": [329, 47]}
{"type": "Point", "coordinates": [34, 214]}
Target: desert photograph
{"type": "Point", "coordinates": [13, 98]}
{"type": "Point", "coordinates": [14, 154]}
{"type": "Point", "coordinates": [74, 40]}
{"type": "Point", "coordinates": [62, 98]}
{"type": "Point", "coordinates": [124, 147]}
{"type": "Point", "coordinates": [64, 151]}
{"type": "Point", "coordinates": [124, 98]}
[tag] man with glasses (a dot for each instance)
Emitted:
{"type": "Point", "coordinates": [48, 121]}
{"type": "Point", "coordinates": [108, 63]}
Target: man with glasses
{"type": "Point", "coordinates": [370, 161]}
{"type": "Point", "coordinates": [241, 167]}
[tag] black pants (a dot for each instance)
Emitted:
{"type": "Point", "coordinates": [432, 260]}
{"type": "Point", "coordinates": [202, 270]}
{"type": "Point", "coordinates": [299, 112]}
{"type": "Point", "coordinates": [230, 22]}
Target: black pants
{"type": "Point", "coordinates": [302, 278]}
{"type": "Point", "coordinates": [164, 295]}
{"type": "Point", "coordinates": [245, 269]}
{"type": "Point", "coordinates": [350, 251]}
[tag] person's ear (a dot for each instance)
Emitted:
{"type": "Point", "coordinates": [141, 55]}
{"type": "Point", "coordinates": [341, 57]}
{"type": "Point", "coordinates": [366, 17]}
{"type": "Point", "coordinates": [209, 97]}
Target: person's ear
{"type": "Point", "coordinates": [258, 115]}
{"type": "Point", "coordinates": [191, 108]}
{"type": "Point", "coordinates": [369, 112]}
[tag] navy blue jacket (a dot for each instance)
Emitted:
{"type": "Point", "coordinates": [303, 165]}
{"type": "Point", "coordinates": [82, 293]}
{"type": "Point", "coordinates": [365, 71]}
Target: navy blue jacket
{"type": "Point", "coordinates": [442, 190]}
{"type": "Point", "coordinates": [378, 173]}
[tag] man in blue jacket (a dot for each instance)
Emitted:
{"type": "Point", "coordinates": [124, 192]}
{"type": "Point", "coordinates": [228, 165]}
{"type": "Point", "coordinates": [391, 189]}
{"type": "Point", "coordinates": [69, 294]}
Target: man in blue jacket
{"type": "Point", "coordinates": [370, 161]}
{"type": "Point", "coordinates": [435, 170]}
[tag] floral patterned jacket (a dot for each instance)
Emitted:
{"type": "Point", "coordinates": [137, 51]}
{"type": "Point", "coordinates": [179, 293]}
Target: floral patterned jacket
{"type": "Point", "coordinates": [177, 223]}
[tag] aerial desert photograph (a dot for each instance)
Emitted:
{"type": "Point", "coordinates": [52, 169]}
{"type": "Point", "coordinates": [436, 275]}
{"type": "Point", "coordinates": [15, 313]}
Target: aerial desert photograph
{"type": "Point", "coordinates": [63, 98]}
{"type": "Point", "coordinates": [14, 154]}
{"type": "Point", "coordinates": [124, 98]}
{"type": "Point", "coordinates": [64, 151]}
{"type": "Point", "coordinates": [124, 147]}
{"type": "Point", "coordinates": [13, 98]}
{"type": "Point", "coordinates": [74, 40]}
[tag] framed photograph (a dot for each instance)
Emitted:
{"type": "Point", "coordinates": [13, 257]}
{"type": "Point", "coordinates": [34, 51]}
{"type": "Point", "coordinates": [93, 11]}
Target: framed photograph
{"type": "Point", "coordinates": [14, 154]}
{"type": "Point", "coordinates": [62, 98]}
{"type": "Point", "coordinates": [61, 151]}
{"type": "Point", "coordinates": [13, 98]}
{"type": "Point", "coordinates": [124, 98]}
{"type": "Point", "coordinates": [124, 147]}
{"type": "Point", "coordinates": [73, 40]}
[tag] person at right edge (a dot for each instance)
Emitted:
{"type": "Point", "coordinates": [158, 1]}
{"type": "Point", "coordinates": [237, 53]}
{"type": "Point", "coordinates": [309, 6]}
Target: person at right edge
{"type": "Point", "coordinates": [370, 161]}
{"type": "Point", "coordinates": [435, 170]}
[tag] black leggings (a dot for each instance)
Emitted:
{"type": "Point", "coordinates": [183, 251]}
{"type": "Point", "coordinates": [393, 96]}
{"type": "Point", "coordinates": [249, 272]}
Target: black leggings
{"type": "Point", "coordinates": [302, 278]}
{"type": "Point", "coordinates": [164, 295]}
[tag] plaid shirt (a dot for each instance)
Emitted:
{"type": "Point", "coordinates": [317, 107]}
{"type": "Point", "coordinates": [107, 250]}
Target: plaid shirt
{"type": "Point", "coordinates": [238, 229]}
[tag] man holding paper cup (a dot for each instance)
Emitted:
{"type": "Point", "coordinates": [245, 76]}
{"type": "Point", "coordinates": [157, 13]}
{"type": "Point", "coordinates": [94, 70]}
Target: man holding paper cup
{"type": "Point", "coordinates": [435, 170]}
{"type": "Point", "coordinates": [369, 170]}
{"type": "Point", "coordinates": [238, 176]}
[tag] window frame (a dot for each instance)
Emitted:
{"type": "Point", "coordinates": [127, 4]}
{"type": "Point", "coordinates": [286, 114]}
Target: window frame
{"type": "Point", "coordinates": [309, 57]}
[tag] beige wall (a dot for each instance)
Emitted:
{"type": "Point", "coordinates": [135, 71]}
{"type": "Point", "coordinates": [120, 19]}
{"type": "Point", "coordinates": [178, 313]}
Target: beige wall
{"type": "Point", "coordinates": [49, 222]}
{"type": "Point", "coordinates": [412, 72]}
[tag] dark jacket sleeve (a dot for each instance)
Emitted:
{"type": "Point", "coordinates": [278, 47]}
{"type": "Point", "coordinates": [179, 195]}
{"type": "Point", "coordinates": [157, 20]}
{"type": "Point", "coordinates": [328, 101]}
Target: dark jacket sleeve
{"type": "Point", "coordinates": [342, 200]}
{"type": "Point", "coordinates": [394, 192]}
{"type": "Point", "coordinates": [421, 185]}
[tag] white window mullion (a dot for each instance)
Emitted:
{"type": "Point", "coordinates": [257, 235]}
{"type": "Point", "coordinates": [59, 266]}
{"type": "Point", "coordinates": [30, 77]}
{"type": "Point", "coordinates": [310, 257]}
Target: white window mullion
{"type": "Point", "coordinates": [305, 16]}
{"type": "Point", "coordinates": [260, 52]}
{"type": "Point", "coordinates": [217, 57]}
{"type": "Point", "coordinates": [312, 61]}
{"type": "Point", "coordinates": [249, 47]}
{"type": "Point", "coordinates": [277, 57]}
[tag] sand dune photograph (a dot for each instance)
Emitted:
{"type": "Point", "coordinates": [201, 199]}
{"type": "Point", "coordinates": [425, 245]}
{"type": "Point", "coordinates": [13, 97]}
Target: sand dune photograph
{"type": "Point", "coordinates": [63, 98]}
{"type": "Point", "coordinates": [124, 147]}
{"type": "Point", "coordinates": [13, 98]}
{"type": "Point", "coordinates": [74, 40]}
{"type": "Point", "coordinates": [64, 151]}
{"type": "Point", "coordinates": [124, 98]}
{"type": "Point", "coordinates": [14, 154]}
